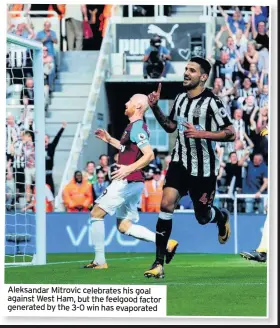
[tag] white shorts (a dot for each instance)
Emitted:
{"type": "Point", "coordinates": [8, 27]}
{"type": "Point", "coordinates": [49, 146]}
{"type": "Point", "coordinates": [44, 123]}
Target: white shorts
{"type": "Point", "coordinates": [29, 175]}
{"type": "Point", "coordinates": [122, 198]}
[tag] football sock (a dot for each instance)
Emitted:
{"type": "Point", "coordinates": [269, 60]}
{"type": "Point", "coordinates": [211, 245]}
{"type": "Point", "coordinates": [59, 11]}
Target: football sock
{"type": "Point", "coordinates": [140, 232]}
{"type": "Point", "coordinates": [218, 217]}
{"type": "Point", "coordinates": [263, 246]}
{"type": "Point", "coordinates": [163, 231]}
{"type": "Point", "coordinates": [98, 240]}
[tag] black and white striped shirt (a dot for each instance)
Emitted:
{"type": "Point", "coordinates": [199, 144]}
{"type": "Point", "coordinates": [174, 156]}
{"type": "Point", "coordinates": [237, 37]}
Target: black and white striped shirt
{"type": "Point", "coordinates": [206, 112]}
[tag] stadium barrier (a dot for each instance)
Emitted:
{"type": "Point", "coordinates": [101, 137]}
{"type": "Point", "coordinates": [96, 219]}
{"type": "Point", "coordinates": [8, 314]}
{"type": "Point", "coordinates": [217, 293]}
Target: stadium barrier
{"type": "Point", "coordinates": [70, 233]}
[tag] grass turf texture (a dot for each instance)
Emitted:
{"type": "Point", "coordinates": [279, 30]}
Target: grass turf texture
{"type": "Point", "coordinates": [197, 284]}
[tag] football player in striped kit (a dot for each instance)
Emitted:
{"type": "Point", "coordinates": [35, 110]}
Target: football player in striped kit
{"type": "Point", "coordinates": [201, 120]}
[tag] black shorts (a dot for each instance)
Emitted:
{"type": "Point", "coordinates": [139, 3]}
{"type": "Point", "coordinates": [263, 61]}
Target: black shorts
{"type": "Point", "coordinates": [201, 189]}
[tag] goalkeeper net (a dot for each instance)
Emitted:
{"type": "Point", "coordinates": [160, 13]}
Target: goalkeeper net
{"type": "Point", "coordinates": [25, 231]}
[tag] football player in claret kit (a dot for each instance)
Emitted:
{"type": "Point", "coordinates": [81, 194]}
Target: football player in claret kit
{"type": "Point", "coordinates": [200, 120]}
{"type": "Point", "coordinates": [124, 193]}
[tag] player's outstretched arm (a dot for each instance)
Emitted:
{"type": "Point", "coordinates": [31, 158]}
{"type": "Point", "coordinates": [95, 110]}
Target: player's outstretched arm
{"type": "Point", "coordinates": [123, 170]}
{"type": "Point", "coordinates": [227, 134]}
{"type": "Point", "coordinates": [167, 124]}
{"type": "Point", "coordinates": [106, 137]}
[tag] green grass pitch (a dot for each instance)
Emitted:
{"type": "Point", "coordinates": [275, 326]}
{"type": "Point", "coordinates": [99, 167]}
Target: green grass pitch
{"type": "Point", "coordinates": [197, 284]}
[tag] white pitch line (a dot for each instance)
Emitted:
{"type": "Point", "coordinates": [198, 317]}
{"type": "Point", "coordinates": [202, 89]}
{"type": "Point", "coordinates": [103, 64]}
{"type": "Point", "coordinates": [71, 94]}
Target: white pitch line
{"type": "Point", "coordinates": [80, 261]}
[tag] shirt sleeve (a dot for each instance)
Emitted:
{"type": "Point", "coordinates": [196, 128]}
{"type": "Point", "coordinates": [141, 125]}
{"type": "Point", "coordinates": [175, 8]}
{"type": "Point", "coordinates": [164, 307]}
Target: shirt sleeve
{"type": "Point", "coordinates": [165, 51]}
{"type": "Point", "coordinates": [220, 114]}
{"type": "Point", "coordinates": [139, 135]}
{"type": "Point", "coordinates": [265, 173]}
{"type": "Point", "coordinates": [173, 113]}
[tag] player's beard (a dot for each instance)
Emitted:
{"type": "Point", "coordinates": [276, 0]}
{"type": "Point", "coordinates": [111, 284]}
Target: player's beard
{"type": "Point", "coordinates": [192, 85]}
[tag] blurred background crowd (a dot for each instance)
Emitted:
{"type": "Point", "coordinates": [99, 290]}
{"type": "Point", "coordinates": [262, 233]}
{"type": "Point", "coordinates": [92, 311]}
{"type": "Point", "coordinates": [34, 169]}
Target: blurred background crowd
{"type": "Point", "coordinates": [240, 76]}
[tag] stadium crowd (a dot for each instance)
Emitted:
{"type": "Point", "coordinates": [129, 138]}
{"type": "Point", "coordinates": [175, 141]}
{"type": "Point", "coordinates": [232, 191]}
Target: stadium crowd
{"type": "Point", "coordinates": [240, 72]}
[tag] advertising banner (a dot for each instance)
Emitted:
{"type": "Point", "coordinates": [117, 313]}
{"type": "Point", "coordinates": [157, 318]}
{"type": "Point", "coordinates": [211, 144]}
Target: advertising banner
{"type": "Point", "coordinates": [183, 40]}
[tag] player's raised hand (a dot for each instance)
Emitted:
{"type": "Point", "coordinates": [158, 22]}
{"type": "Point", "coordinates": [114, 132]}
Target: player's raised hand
{"type": "Point", "coordinates": [153, 97]}
{"type": "Point", "coordinates": [102, 134]}
{"type": "Point", "coordinates": [122, 172]}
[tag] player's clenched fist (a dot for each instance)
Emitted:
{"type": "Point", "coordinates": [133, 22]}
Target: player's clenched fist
{"type": "Point", "coordinates": [153, 97]}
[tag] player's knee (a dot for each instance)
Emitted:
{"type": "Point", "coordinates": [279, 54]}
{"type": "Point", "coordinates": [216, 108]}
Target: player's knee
{"type": "Point", "coordinates": [123, 225]}
{"type": "Point", "coordinates": [166, 206]}
{"type": "Point", "coordinates": [203, 217]}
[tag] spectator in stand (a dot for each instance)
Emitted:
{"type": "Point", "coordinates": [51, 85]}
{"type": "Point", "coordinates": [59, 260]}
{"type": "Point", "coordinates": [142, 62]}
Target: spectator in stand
{"type": "Point", "coordinates": [167, 161]}
{"type": "Point", "coordinates": [261, 37]}
{"type": "Point", "coordinates": [260, 33]}
{"type": "Point", "coordinates": [247, 107]}
{"type": "Point", "coordinates": [220, 90]}
{"type": "Point", "coordinates": [239, 124]}
{"type": "Point", "coordinates": [100, 185]}
{"type": "Point", "coordinates": [236, 21]}
{"type": "Point", "coordinates": [94, 13]}
{"type": "Point", "coordinates": [59, 9]}
{"type": "Point", "coordinates": [259, 119]}
{"type": "Point", "coordinates": [156, 61]}
{"type": "Point", "coordinates": [229, 47]}
{"type": "Point", "coordinates": [48, 38]}
{"type": "Point", "coordinates": [22, 29]}
{"type": "Point", "coordinates": [246, 90]}
{"type": "Point", "coordinates": [149, 171]}
{"type": "Point", "coordinates": [157, 160]}
{"type": "Point", "coordinates": [103, 166]}
{"type": "Point", "coordinates": [242, 147]}
{"type": "Point", "coordinates": [233, 168]}
{"type": "Point", "coordinates": [77, 194]}
{"type": "Point", "coordinates": [48, 66]}
{"type": "Point", "coordinates": [152, 193]}
{"type": "Point", "coordinates": [256, 182]}
{"type": "Point", "coordinates": [19, 164]}
{"type": "Point", "coordinates": [49, 201]}
{"type": "Point", "coordinates": [19, 62]}
{"type": "Point", "coordinates": [27, 93]}
{"type": "Point", "coordinates": [113, 167]}
{"type": "Point", "coordinates": [263, 89]}
{"type": "Point", "coordinates": [9, 187]}
{"type": "Point", "coordinates": [50, 152]}
{"type": "Point", "coordinates": [251, 56]}
{"type": "Point", "coordinates": [106, 15]}
{"type": "Point", "coordinates": [90, 173]}
{"type": "Point", "coordinates": [75, 15]}
{"type": "Point", "coordinates": [258, 16]}
{"type": "Point", "coordinates": [29, 154]}
{"type": "Point", "coordinates": [240, 39]}
{"type": "Point", "coordinates": [12, 135]}
{"type": "Point", "coordinates": [252, 74]}
{"type": "Point", "coordinates": [224, 68]}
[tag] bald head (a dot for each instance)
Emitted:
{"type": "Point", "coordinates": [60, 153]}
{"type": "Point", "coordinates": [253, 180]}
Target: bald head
{"type": "Point", "coordinates": [140, 101]}
{"type": "Point", "coordinates": [137, 105]}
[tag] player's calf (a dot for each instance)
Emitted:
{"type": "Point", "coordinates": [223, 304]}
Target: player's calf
{"type": "Point", "coordinates": [202, 215]}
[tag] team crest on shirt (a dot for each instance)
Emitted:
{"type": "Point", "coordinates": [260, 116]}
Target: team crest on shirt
{"type": "Point", "coordinates": [141, 136]}
{"type": "Point", "coordinates": [197, 111]}
{"type": "Point", "coordinates": [124, 134]}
